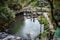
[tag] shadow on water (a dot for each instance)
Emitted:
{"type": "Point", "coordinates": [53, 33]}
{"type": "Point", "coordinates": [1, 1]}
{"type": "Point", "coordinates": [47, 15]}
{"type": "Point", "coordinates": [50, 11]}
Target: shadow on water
{"type": "Point", "coordinates": [15, 26]}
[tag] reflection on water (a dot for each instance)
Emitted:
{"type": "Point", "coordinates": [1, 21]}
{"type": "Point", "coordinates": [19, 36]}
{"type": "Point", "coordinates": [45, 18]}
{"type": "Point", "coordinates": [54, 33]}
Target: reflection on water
{"type": "Point", "coordinates": [27, 26]}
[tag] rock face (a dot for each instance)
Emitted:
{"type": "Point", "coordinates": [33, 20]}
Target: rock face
{"type": "Point", "coordinates": [5, 36]}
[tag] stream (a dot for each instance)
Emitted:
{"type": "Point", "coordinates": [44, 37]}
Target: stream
{"type": "Point", "coordinates": [26, 27]}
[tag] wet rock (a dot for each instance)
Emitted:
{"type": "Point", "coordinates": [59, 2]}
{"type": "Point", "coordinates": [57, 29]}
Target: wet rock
{"type": "Point", "coordinates": [5, 36]}
{"type": "Point", "coordinates": [18, 38]}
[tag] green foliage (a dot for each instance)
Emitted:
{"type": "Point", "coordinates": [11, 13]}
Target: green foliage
{"type": "Point", "coordinates": [56, 14]}
{"type": "Point", "coordinates": [34, 3]}
{"type": "Point", "coordinates": [46, 28]}
{"type": "Point", "coordinates": [56, 3]}
{"type": "Point", "coordinates": [56, 11]}
{"type": "Point", "coordinates": [6, 14]}
{"type": "Point", "coordinates": [3, 1]}
{"type": "Point", "coordinates": [15, 6]}
{"type": "Point", "coordinates": [44, 21]}
{"type": "Point", "coordinates": [24, 2]}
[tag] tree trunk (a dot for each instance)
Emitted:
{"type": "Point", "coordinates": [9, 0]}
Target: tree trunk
{"type": "Point", "coordinates": [52, 8]}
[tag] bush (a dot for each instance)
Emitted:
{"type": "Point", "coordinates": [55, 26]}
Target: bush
{"type": "Point", "coordinates": [6, 15]}
{"type": "Point", "coordinates": [46, 28]}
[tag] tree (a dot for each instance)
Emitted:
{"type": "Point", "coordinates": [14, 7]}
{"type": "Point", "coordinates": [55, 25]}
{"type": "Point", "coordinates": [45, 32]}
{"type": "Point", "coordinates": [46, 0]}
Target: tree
{"type": "Point", "coordinates": [51, 5]}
